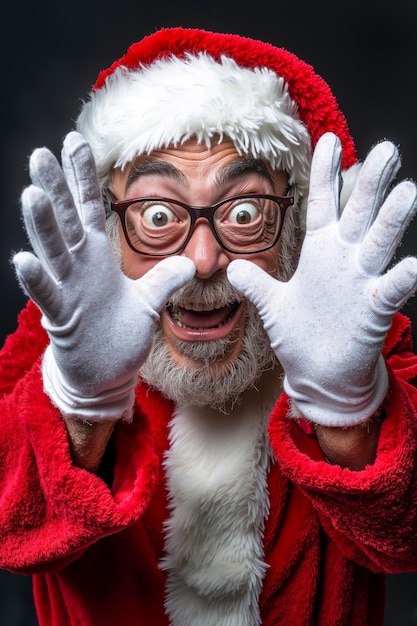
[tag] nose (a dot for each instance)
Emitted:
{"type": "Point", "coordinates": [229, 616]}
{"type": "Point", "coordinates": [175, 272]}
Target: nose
{"type": "Point", "coordinates": [205, 251]}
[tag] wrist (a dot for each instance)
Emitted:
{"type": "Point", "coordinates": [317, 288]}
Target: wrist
{"type": "Point", "coordinates": [88, 442]}
{"type": "Point", "coordinates": [353, 447]}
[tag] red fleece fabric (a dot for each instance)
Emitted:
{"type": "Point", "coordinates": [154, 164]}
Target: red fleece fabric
{"type": "Point", "coordinates": [93, 550]}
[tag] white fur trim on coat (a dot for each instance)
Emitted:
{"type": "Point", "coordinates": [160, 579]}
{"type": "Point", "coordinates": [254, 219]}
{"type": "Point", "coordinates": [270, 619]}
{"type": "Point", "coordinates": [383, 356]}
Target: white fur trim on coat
{"type": "Point", "coordinates": [217, 481]}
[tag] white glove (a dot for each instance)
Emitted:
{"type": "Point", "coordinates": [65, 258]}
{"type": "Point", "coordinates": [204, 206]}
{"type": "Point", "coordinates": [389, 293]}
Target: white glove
{"type": "Point", "coordinates": [100, 323]}
{"type": "Point", "coordinates": [327, 324]}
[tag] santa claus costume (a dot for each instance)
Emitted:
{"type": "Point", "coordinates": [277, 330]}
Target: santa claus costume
{"type": "Point", "coordinates": [190, 521]}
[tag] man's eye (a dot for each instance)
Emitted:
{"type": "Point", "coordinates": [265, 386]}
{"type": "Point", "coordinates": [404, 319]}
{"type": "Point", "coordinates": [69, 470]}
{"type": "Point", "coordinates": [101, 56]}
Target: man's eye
{"type": "Point", "coordinates": [158, 215]}
{"type": "Point", "coordinates": [243, 213]}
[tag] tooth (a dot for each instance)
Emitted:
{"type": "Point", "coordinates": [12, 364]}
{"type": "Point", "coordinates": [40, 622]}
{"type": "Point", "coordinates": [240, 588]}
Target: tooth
{"type": "Point", "coordinates": [197, 306]}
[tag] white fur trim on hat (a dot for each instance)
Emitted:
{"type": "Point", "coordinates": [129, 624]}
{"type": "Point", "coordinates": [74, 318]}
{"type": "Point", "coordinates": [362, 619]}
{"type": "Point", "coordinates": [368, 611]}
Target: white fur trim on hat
{"type": "Point", "coordinates": [174, 99]}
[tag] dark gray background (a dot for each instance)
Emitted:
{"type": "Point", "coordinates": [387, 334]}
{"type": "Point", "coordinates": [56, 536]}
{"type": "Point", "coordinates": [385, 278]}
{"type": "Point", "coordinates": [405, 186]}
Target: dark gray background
{"type": "Point", "coordinates": [52, 52]}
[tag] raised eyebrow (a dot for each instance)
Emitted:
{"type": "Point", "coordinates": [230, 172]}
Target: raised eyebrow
{"type": "Point", "coordinates": [227, 174]}
{"type": "Point", "coordinates": [153, 166]}
{"type": "Point", "coordinates": [242, 166]}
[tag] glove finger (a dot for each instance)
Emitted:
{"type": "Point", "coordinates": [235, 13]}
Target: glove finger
{"type": "Point", "coordinates": [46, 173]}
{"type": "Point", "coordinates": [325, 183]}
{"type": "Point", "coordinates": [376, 174]}
{"type": "Point", "coordinates": [37, 283]}
{"type": "Point", "coordinates": [81, 174]}
{"type": "Point", "coordinates": [44, 231]}
{"type": "Point", "coordinates": [392, 290]}
{"type": "Point", "coordinates": [385, 234]}
{"type": "Point", "coordinates": [157, 285]}
{"type": "Point", "coordinates": [252, 282]}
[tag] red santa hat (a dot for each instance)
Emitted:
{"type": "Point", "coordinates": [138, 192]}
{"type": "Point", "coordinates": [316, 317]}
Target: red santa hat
{"type": "Point", "coordinates": [180, 83]}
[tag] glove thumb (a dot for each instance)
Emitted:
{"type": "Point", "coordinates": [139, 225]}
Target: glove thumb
{"type": "Point", "coordinates": [253, 283]}
{"type": "Point", "coordinates": [164, 279]}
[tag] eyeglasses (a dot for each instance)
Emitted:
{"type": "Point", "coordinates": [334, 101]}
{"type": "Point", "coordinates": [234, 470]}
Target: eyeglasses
{"type": "Point", "coordinates": [241, 224]}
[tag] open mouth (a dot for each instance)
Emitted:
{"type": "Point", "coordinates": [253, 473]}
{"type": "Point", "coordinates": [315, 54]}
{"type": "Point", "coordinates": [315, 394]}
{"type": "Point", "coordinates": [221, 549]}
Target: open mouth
{"type": "Point", "coordinates": [197, 316]}
{"type": "Point", "coordinates": [196, 321]}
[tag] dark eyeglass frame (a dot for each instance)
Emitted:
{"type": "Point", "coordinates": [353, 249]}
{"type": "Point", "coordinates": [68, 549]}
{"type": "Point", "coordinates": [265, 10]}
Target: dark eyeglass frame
{"type": "Point", "coordinates": [207, 212]}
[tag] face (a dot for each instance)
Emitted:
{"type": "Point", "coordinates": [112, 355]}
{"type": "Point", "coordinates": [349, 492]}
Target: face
{"type": "Point", "coordinates": [206, 324]}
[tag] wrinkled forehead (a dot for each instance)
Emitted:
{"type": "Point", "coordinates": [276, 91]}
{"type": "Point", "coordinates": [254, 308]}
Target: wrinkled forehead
{"type": "Point", "coordinates": [215, 169]}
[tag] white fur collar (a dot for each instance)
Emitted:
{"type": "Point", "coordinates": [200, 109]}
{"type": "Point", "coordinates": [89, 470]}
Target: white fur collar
{"type": "Point", "coordinates": [216, 474]}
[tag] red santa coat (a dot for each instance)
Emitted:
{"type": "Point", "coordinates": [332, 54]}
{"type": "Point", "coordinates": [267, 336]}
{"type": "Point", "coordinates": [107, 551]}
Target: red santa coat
{"type": "Point", "coordinates": [94, 546]}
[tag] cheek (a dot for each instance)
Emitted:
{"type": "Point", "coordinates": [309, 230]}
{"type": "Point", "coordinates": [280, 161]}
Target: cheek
{"type": "Point", "coordinates": [268, 260]}
{"type": "Point", "coordinates": [135, 265]}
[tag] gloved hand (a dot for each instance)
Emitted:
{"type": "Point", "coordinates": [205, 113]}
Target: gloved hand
{"type": "Point", "coordinates": [327, 324]}
{"type": "Point", "coordinates": [100, 323]}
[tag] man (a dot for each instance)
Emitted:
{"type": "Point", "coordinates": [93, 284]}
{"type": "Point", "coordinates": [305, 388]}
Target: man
{"type": "Point", "coordinates": [203, 423]}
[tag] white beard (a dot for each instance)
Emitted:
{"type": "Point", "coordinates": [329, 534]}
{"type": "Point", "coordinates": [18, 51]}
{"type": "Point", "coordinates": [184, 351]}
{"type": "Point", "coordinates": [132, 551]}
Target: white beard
{"type": "Point", "coordinates": [198, 385]}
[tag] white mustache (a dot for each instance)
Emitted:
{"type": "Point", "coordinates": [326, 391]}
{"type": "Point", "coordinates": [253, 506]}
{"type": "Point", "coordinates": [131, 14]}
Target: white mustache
{"type": "Point", "coordinates": [209, 293]}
